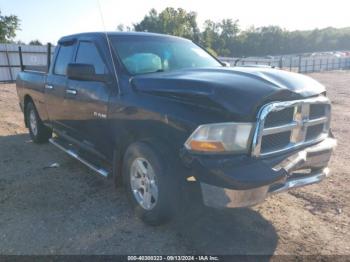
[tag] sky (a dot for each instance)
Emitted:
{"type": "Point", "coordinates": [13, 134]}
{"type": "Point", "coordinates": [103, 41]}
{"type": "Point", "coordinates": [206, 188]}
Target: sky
{"type": "Point", "coordinates": [48, 20]}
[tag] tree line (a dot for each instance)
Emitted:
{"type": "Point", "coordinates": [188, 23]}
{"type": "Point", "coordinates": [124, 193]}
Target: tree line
{"type": "Point", "coordinates": [226, 38]}
{"type": "Point", "coordinates": [223, 38]}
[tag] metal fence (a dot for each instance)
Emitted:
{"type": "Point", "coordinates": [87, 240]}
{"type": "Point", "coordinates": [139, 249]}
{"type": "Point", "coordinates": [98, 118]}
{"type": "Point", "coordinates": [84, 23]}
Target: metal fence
{"type": "Point", "coordinates": [298, 64]}
{"type": "Point", "coordinates": [9, 59]}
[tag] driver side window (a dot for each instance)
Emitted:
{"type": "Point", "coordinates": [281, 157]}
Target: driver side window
{"type": "Point", "coordinates": [64, 56]}
{"type": "Point", "coordinates": [88, 54]}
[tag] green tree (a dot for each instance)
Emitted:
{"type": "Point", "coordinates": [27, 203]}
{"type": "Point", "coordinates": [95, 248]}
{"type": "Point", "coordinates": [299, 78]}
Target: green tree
{"type": "Point", "coordinates": [35, 42]}
{"type": "Point", "coordinates": [8, 27]}
{"type": "Point", "coordinates": [220, 36]}
{"type": "Point", "coordinates": [150, 23]}
{"type": "Point", "coordinates": [19, 42]}
{"type": "Point", "coordinates": [171, 21]}
{"type": "Point", "coordinates": [123, 28]}
{"type": "Point", "coordinates": [210, 35]}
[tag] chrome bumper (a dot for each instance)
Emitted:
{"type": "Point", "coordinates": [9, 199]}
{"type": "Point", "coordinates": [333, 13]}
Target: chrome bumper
{"type": "Point", "coordinates": [314, 158]}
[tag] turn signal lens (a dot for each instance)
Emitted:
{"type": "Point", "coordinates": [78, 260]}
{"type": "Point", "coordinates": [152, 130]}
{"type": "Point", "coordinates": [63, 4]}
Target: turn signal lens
{"type": "Point", "coordinates": [222, 137]}
{"type": "Point", "coordinates": [207, 146]}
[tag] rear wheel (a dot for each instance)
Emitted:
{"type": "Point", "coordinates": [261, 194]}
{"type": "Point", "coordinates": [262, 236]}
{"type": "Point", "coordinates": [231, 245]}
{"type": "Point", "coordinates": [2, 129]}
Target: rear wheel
{"type": "Point", "coordinates": [149, 183]}
{"type": "Point", "coordinates": [37, 130]}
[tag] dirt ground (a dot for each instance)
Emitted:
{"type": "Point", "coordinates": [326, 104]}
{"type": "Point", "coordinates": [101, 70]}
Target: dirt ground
{"type": "Point", "coordinates": [70, 210]}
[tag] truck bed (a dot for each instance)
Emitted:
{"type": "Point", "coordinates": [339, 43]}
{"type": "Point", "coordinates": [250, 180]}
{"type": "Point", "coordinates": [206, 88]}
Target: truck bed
{"type": "Point", "coordinates": [31, 83]}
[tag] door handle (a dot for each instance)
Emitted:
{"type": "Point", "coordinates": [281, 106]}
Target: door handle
{"type": "Point", "coordinates": [49, 86]}
{"type": "Point", "coordinates": [71, 91]}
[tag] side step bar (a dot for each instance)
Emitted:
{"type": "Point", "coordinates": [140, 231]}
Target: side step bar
{"type": "Point", "coordinates": [73, 154]}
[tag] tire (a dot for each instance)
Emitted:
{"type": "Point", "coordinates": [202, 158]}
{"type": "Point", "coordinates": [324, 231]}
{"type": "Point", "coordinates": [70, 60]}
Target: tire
{"type": "Point", "coordinates": [38, 132]}
{"type": "Point", "coordinates": [147, 175]}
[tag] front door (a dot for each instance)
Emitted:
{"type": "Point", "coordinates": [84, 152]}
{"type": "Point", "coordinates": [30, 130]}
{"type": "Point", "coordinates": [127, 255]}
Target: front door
{"type": "Point", "coordinates": [88, 101]}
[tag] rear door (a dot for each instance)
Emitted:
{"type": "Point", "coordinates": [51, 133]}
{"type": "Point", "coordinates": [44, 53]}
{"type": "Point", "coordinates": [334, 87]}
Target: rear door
{"type": "Point", "coordinates": [56, 83]}
{"type": "Point", "coordinates": [88, 100]}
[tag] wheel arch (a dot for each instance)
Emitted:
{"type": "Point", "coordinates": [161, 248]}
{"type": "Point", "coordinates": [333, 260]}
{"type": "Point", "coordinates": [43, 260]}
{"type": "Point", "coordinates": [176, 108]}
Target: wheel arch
{"type": "Point", "coordinates": [27, 99]}
{"type": "Point", "coordinates": [159, 144]}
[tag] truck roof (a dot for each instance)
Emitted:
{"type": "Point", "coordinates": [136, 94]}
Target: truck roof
{"type": "Point", "coordinates": [99, 34]}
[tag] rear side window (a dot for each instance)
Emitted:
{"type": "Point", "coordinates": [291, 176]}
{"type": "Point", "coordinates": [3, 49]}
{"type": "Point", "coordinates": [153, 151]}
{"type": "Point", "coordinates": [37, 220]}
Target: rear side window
{"type": "Point", "coordinates": [63, 59]}
{"type": "Point", "coordinates": [88, 54]}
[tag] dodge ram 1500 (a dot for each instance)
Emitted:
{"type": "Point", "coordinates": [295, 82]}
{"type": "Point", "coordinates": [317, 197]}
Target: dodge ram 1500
{"type": "Point", "coordinates": [170, 122]}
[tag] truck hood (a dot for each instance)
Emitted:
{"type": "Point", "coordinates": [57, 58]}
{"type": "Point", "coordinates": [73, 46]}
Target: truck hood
{"type": "Point", "coordinates": [240, 90]}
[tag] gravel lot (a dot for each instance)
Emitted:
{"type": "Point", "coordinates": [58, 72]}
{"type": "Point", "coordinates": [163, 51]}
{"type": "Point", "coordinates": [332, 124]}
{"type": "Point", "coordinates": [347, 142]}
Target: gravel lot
{"type": "Point", "coordinates": [70, 210]}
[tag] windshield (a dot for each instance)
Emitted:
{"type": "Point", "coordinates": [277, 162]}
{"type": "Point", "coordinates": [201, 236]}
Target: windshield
{"type": "Point", "coordinates": [142, 55]}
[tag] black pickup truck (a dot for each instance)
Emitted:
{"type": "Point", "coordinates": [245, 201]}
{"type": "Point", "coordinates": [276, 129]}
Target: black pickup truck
{"type": "Point", "coordinates": [170, 122]}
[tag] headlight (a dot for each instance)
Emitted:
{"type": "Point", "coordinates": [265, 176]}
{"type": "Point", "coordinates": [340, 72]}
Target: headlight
{"type": "Point", "coordinates": [223, 137]}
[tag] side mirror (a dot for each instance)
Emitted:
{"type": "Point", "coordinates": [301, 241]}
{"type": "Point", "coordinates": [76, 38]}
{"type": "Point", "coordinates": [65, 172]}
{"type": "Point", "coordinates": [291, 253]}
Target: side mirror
{"type": "Point", "coordinates": [226, 64]}
{"type": "Point", "coordinates": [84, 72]}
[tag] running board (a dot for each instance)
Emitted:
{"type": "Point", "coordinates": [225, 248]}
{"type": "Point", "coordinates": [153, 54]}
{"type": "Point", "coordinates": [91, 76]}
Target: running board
{"type": "Point", "coordinates": [73, 154]}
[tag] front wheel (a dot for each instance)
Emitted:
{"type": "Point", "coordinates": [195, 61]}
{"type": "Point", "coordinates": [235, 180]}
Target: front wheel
{"type": "Point", "coordinates": [149, 183]}
{"type": "Point", "coordinates": [37, 130]}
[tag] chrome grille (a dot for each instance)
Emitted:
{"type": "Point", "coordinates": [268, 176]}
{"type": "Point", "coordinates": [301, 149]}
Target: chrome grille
{"type": "Point", "coordinates": [284, 126]}
{"type": "Point", "coordinates": [279, 117]}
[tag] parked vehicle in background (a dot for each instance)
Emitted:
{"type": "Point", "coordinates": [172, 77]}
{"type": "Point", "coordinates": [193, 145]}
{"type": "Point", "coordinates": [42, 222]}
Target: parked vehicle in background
{"type": "Point", "coordinates": [163, 117]}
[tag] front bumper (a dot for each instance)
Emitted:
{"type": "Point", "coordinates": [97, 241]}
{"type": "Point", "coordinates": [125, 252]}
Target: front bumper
{"type": "Point", "coordinates": [305, 167]}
